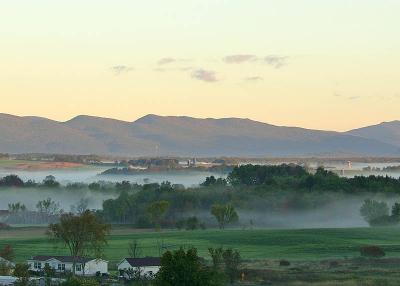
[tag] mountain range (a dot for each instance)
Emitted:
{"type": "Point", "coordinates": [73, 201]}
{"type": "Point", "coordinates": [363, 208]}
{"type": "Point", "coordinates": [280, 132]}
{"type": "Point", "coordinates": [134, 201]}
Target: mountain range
{"type": "Point", "coordinates": [154, 135]}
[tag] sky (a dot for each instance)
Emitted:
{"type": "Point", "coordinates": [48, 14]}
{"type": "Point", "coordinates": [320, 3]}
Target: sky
{"type": "Point", "coordinates": [315, 64]}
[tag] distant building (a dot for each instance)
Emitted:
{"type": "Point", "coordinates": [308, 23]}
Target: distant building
{"type": "Point", "coordinates": [61, 264]}
{"type": "Point", "coordinates": [349, 164]}
{"type": "Point", "coordinates": [148, 266]}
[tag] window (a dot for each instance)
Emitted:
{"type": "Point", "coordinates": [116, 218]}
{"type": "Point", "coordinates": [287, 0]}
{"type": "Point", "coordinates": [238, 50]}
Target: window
{"type": "Point", "coordinates": [61, 267]}
{"type": "Point", "coordinates": [37, 265]}
{"type": "Point", "coordinates": [46, 265]}
{"type": "Point", "coordinates": [78, 267]}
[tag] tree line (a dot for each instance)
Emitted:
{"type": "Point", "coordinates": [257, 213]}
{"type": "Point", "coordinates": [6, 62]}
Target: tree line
{"type": "Point", "coordinates": [247, 187]}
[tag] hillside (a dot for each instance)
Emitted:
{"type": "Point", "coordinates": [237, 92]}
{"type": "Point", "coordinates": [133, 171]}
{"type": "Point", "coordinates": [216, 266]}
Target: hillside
{"type": "Point", "coordinates": [154, 135]}
{"type": "Point", "coordinates": [388, 132]}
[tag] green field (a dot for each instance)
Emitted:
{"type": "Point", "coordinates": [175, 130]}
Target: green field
{"type": "Point", "coordinates": [302, 244]}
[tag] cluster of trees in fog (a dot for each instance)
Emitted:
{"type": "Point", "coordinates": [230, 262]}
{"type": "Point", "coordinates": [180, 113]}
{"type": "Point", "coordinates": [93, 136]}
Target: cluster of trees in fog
{"type": "Point", "coordinates": [247, 188]}
{"type": "Point", "coordinates": [377, 213]}
{"type": "Point", "coordinates": [50, 182]}
{"type": "Point", "coordinates": [281, 177]}
{"type": "Point", "coordinates": [294, 177]}
{"type": "Point", "coordinates": [46, 211]}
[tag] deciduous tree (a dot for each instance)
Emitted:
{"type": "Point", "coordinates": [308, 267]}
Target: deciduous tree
{"type": "Point", "coordinates": [82, 234]}
{"type": "Point", "coordinates": [48, 206]}
{"type": "Point", "coordinates": [224, 214]}
{"type": "Point", "coordinates": [156, 211]}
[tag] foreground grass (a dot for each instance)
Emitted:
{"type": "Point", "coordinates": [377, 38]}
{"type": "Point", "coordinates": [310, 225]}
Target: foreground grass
{"type": "Point", "coordinates": [260, 244]}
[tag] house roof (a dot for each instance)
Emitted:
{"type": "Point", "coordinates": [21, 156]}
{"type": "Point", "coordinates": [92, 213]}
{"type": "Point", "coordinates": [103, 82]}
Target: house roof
{"type": "Point", "coordinates": [145, 261]}
{"type": "Point", "coordinates": [61, 258]}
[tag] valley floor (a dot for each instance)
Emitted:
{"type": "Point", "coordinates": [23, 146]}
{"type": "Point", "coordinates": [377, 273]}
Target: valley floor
{"type": "Point", "coordinates": [319, 256]}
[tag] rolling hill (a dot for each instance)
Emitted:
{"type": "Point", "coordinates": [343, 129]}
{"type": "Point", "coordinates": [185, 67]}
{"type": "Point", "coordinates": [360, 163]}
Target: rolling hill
{"type": "Point", "coordinates": [388, 132]}
{"type": "Point", "coordinates": [154, 135]}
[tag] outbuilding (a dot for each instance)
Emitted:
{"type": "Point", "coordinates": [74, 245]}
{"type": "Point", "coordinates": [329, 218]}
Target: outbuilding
{"type": "Point", "coordinates": [146, 266]}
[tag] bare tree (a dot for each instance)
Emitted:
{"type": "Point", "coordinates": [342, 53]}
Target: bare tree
{"type": "Point", "coordinates": [134, 249]}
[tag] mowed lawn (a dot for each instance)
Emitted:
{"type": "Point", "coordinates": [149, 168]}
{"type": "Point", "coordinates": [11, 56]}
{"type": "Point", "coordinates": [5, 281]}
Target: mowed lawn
{"type": "Point", "coordinates": [295, 244]}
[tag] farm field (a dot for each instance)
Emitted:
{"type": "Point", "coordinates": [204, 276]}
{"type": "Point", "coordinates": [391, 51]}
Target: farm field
{"type": "Point", "coordinates": [317, 256]}
{"type": "Point", "coordinates": [258, 244]}
{"type": "Point", "coordinates": [6, 163]}
{"type": "Point", "coordinates": [37, 165]}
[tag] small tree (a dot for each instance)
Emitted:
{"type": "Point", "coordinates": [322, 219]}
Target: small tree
{"type": "Point", "coordinates": [224, 214]}
{"type": "Point", "coordinates": [21, 271]}
{"type": "Point", "coordinates": [372, 210]}
{"type": "Point", "coordinates": [83, 235]}
{"type": "Point", "coordinates": [81, 206]}
{"type": "Point", "coordinates": [183, 268]}
{"type": "Point", "coordinates": [48, 206]}
{"type": "Point", "coordinates": [227, 260]}
{"type": "Point", "coordinates": [48, 273]}
{"type": "Point", "coordinates": [232, 263]}
{"type": "Point", "coordinates": [192, 223]}
{"type": "Point", "coordinates": [11, 181]}
{"type": "Point", "coordinates": [396, 212]}
{"type": "Point", "coordinates": [217, 258]}
{"type": "Point", "coordinates": [16, 207]}
{"type": "Point", "coordinates": [156, 211]}
{"type": "Point", "coordinates": [50, 182]}
{"type": "Point", "coordinates": [134, 249]}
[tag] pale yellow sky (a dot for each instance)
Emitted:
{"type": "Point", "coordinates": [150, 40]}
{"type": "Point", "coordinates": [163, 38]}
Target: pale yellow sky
{"type": "Point", "coordinates": [315, 64]}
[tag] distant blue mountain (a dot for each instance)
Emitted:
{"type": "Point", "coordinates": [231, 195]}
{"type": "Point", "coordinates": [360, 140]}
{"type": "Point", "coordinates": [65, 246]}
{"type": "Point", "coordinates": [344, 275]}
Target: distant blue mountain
{"type": "Point", "coordinates": [154, 135]}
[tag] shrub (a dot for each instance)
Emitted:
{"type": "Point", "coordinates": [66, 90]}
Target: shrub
{"type": "Point", "coordinates": [192, 223]}
{"type": "Point", "coordinates": [333, 264]}
{"type": "Point", "coordinates": [284, 262]}
{"type": "Point", "coordinates": [5, 269]}
{"type": "Point", "coordinates": [79, 281]}
{"type": "Point", "coordinates": [180, 224]}
{"type": "Point", "coordinates": [372, 251]}
{"type": "Point", "coordinates": [182, 268]}
{"type": "Point", "coordinates": [3, 225]}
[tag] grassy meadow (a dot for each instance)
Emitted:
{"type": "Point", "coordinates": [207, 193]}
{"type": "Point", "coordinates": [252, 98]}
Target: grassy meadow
{"type": "Point", "coordinates": [317, 256]}
{"type": "Point", "coordinates": [258, 244]}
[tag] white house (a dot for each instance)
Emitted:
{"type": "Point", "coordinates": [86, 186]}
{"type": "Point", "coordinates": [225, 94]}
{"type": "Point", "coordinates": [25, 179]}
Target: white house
{"type": "Point", "coordinates": [6, 262]}
{"type": "Point", "coordinates": [61, 264]}
{"type": "Point", "coordinates": [148, 266]}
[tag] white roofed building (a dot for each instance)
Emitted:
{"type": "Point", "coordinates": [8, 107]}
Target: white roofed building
{"type": "Point", "coordinates": [63, 264]}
